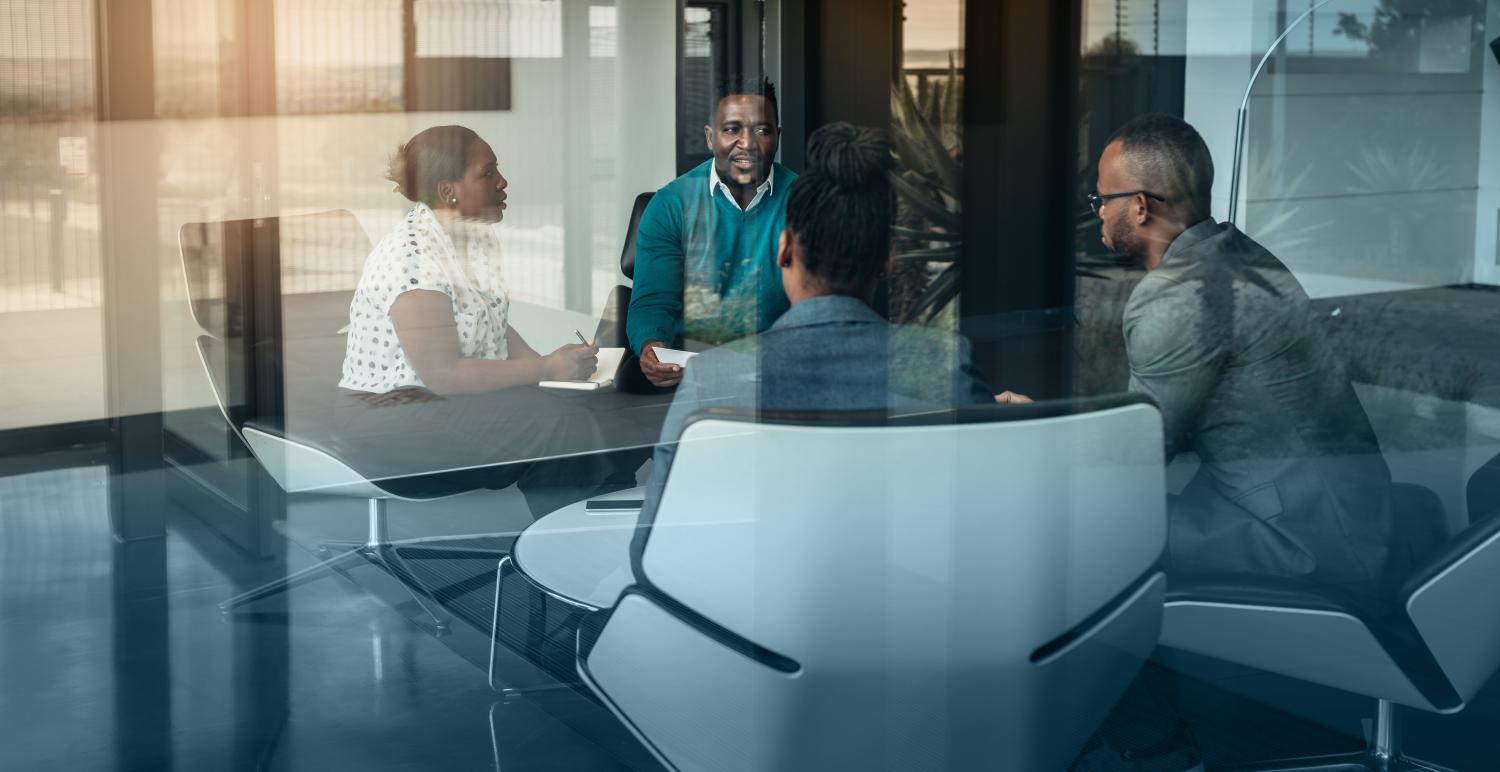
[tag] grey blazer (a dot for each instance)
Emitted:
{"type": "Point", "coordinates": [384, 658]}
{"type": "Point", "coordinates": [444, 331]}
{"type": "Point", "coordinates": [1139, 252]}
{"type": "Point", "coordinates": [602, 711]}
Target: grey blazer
{"type": "Point", "coordinates": [1292, 482]}
{"type": "Point", "coordinates": [825, 353]}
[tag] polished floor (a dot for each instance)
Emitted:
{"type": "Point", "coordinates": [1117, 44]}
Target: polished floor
{"type": "Point", "coordinates": [115, 656]}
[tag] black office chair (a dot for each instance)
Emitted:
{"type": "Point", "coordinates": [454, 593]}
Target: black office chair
{"type": "Point", "coordinates": [612, 324]}
{"type": "Point", "coordinates": [611, 330]}
{"type": "Point", "coordinates": [1483, 491]}
{"type": "Point", "coordinates": [1431, 644]}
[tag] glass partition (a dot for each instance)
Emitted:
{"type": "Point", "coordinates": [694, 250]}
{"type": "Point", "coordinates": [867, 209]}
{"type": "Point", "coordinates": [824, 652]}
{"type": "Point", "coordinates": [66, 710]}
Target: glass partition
{"type": "Point", "coordinates": [332, 428]}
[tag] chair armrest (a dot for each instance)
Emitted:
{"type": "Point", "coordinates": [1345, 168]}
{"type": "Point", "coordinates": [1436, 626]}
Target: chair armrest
{"type": "Point", "coordinates": [1280, 592]}
{"type": "Point", "coordinates": [1383, 616]}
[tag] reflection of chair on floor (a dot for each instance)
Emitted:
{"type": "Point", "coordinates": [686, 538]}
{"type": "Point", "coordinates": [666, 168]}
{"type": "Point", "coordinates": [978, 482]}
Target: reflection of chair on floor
{"type": "Point", "coordinates": [1431, 645]}
{"type": "Point", "coordinates": [980, 593]}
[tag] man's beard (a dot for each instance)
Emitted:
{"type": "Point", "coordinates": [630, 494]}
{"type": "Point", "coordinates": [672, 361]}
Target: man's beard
{"type": "Point", "coordinates": [1124, 242]}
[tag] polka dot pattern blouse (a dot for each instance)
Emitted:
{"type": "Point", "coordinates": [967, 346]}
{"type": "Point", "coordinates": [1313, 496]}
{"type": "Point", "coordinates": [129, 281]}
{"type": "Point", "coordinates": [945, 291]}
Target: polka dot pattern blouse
{"type": "Point", "coordinates": [420, 254]}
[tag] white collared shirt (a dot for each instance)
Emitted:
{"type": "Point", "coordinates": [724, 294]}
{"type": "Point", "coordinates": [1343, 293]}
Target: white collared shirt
{"type": "Point", "coordinates": [761, 191]}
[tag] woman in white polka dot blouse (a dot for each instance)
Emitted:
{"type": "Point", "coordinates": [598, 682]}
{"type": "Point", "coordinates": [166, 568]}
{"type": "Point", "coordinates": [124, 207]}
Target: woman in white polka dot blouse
{"type": "Point", "coordinates": [439, 379]}
{"type": "Point", "coordinates": [430, 311]}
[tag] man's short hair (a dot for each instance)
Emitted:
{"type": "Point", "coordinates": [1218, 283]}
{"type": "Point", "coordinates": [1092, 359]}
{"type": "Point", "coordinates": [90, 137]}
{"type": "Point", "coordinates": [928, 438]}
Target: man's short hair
{"type": "Point", "coordinates": [761, 87]}
{"type": "Point", "coordinates": [1168, 157]}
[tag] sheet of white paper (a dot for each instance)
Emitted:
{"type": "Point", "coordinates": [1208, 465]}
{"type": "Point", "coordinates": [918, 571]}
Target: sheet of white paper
{"type": "Point", "coordinates": [672, 356]}
{"type": "Point", "coordinates": [609, 362]}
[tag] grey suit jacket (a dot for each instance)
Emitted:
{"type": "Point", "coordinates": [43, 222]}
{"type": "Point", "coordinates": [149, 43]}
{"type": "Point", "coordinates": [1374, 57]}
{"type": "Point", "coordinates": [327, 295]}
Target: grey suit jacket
{"type": "Point", "coordinates": [1292, 482]}
{"type": "Point", "coordinates": [825, 353]}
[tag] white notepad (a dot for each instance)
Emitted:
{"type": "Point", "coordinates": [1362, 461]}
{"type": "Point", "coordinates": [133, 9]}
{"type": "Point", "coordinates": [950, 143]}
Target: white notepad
{"type": "Point", "coordinates": [672, 356]}
{"type": "Point", "coordinates": [604, 374]}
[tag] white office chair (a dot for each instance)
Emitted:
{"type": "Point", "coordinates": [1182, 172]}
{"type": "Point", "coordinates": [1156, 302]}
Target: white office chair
{"type": "Point", "coordinates": [1431, 644]}
{"type": "Point", "coordinates": [224, 265]}
{"type": "Point", "coordinates": [299, 467]}
{"type": "Point", "coordinates": [961, 589]}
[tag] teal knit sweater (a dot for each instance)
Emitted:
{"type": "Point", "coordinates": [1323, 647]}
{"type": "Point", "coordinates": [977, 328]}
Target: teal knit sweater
{"type": "Point", "coordinates": [704, 269]}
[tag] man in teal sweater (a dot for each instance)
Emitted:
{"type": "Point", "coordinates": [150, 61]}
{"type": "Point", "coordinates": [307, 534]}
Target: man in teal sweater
{"type": "Point", "coordinates": [705, 265]}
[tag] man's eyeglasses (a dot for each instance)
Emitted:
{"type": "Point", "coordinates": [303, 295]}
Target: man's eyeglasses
{"type": "Point", "coordinates": [1096, 200]}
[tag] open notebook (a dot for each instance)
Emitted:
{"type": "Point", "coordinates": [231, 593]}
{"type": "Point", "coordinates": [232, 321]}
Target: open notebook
{"type": "Point", "coordinates": [604, 374]}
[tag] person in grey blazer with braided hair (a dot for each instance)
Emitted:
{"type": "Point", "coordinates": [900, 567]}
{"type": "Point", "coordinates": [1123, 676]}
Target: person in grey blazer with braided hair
{"type": "Point", "coordinates": [831, 350]}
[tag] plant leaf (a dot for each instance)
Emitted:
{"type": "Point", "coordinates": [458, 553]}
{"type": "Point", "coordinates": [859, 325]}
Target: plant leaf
{"type": "Point", "coordinates": [942, 290]}
{"type": "Point", "coordinates": [913, 154]}
{"type": "Point", "coordinates": [933, 255]}
{"type": "Point", "coordinates": [922, 133]}
{"type": "Point", "coordinates": [925, 235]}
{"type": "Point", "coordinates": [924, 205]}
{"type": "Point", "coordinates": [912, 159]}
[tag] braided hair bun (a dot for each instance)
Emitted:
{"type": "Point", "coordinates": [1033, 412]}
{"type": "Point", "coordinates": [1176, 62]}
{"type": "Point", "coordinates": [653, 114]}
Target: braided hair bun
{"type": "Point", "coordinates": [849, 156]}
{"type": "Point", "coordinates": [839, 211]}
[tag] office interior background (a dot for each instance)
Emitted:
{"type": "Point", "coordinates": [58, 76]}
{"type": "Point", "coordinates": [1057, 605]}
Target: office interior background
{"type": "Point", "coordinates": [131, 131]}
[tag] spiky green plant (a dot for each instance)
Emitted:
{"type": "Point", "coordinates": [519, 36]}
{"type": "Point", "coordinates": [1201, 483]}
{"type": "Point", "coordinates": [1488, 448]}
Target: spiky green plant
{"type": "Point", "coordinates": [927, 142]}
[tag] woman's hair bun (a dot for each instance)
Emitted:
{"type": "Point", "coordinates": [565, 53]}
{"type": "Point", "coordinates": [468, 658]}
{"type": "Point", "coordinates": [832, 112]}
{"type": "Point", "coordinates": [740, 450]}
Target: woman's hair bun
{"type": "Point", "coordinates": [850, 156]}
{"type": "Point", "coordinates": [435, 154]}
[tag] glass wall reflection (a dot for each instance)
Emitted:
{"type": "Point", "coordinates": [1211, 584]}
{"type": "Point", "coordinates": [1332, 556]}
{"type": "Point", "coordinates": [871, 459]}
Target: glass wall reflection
{"type": "Point", "coordinates": [260, 506]}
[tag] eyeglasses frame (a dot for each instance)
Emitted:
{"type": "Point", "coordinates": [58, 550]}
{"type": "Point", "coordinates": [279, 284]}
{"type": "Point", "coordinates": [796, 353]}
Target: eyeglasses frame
{"type": "Point", "coordinates": [1097, 200]}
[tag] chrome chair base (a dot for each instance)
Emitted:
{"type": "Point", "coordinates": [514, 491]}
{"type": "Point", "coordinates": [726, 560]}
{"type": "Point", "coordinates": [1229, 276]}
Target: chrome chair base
{"type": "Point", "coordinates": [377, 550]}
{"type": "Point", "coordinates": [1364, 761]}
{"type": "Point", "coordinates": [382, 556]}
{"type": "Point", "coordinates": [1383, 754]}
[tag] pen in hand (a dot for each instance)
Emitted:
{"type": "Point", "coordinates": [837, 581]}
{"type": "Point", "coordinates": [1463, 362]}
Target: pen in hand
{"type": "Point", "coordinates": [582, 339]}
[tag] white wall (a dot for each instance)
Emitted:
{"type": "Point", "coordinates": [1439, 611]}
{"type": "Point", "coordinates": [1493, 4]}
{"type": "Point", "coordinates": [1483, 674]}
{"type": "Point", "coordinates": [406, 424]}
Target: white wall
{"type": "Point", "coordinates": [1220, 37]}
{"type": "Point", "coordinates": [1361, 180]}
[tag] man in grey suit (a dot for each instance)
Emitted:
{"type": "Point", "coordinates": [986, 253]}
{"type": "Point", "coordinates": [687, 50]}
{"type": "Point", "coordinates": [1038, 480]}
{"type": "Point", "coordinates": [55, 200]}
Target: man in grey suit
{"type": "Point", "coordinates": [1291, 481]}
{"type": "Point", "coordinates": [1220, 334]}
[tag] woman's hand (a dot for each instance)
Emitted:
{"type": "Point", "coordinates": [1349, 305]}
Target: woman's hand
{"type": "Point", "coordinates": [1012, 398]}
{"type": "Point", "coordinates": [657, 372]}
{"type": "Point", "coordinates": [572, 362]}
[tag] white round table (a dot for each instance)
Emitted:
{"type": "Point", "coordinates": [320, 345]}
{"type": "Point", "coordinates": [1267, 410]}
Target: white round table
{"type": "Point", "coordinates": [582, 557]}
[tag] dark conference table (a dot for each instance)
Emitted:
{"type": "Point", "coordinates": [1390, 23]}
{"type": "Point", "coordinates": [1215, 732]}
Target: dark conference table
{"type": "Point", "coordinates": [466, 433]}
{"type": "Point", "coordinates": [414, 435]}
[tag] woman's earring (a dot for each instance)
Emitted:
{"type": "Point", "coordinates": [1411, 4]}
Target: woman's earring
{"type": "Point", "coordinates": [453, 201]}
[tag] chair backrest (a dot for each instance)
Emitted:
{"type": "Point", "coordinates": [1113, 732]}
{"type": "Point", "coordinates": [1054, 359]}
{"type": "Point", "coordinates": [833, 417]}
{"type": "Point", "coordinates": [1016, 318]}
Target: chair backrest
{"type": "Point", "coordinates": [225, 262]}
{"type": "Point", "coordinates": [627, 253]}
{"type": "Point", "coordinates": [218, 363]}
{"type": "Point", "coordinates": [611, 331]}
{"type": "Point", "coordinates": [1482, 493]}
{"type": "Point", "coordinates": [237, 273]}
{"type": "Point", "coordinates": [971, 587]}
